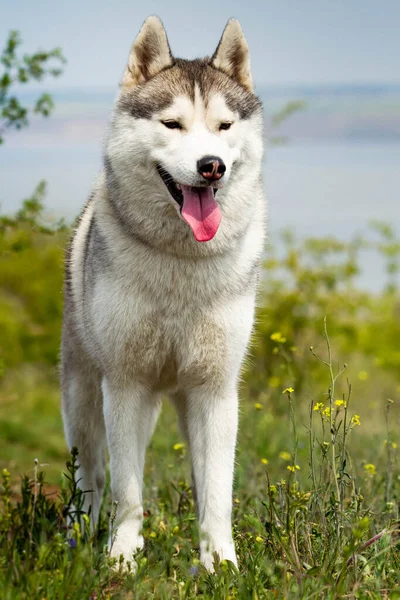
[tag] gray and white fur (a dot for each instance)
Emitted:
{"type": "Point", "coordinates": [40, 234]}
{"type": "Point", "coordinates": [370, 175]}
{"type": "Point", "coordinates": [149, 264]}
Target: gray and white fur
{"type": "Point", "coordinates": [149, 310]}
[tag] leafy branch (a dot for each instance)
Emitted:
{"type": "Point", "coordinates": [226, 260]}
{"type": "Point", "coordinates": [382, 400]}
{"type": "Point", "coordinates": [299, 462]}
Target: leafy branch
{"type": "Point", "coordinates": [16, 69]}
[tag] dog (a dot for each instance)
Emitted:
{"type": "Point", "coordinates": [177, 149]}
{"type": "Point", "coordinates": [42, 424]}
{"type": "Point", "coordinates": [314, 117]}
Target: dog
{"type": "Point", "coordinates": [161, 280]}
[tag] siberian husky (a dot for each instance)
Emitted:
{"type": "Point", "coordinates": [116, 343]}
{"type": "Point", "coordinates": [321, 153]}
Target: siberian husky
{"type": "Point", "coordinates": [161, 278]}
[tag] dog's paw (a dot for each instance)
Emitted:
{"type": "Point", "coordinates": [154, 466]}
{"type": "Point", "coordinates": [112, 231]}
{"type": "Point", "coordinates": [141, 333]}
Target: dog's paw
{"type": "Point", "coordinates": [212, 553]}
{"type": "Point", "coordinates": [125, 543]}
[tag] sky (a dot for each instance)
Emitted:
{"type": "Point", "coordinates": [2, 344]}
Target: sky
{"type": "Point", "coordinates": [291, 41]}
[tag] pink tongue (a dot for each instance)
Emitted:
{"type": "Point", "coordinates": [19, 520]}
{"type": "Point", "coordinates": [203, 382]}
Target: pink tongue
{"type": "Point", "coordinates": [201, 212]}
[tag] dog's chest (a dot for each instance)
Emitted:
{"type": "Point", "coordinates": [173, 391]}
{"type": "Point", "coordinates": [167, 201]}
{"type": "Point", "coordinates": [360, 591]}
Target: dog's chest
{"type": "Point", "coordinates": [162, 327]}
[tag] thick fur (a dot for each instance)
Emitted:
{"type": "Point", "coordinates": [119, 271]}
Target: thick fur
{"type": "Point", "coordinates": [148, 310]}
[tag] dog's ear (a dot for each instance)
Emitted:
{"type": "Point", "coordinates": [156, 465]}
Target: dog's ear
{"type": "Point", "coordinates": [150, 53]}
{"type": "Point", "coordinates": [232, 55]}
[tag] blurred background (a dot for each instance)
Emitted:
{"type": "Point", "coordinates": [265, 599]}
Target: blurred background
{"type": "Point", "coordinates": [328, 75]}
{"type": "Point", "coordinates": [340, 168]}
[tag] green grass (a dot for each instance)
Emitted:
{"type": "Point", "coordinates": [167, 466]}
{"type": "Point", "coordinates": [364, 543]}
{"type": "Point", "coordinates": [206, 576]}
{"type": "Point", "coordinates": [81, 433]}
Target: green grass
{"type": "Point", "coordinates": [295, 539]}
{"type": "Point", "coordinates": [327, 529]}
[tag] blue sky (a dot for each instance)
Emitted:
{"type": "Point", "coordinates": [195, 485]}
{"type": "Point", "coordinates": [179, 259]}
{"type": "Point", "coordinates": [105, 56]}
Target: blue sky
{"type": "Point", "coordinates": [294, 42]}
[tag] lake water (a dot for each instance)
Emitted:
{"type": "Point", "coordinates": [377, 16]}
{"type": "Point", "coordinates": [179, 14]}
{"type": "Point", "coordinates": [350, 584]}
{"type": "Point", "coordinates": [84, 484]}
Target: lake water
{"type": "Point", "coordinates": [316, 189]}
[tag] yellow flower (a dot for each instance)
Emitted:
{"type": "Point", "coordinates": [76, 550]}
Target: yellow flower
{"type": "Point", "coordinates": [153, 534]}
{"type": "Point", "coordinates": [340, 403]}
{"type": "Point", "coordinates": [355, 420]}
{"type": "Point", "coordinates": [259, 539]}
{"type": "Point", "coordinates": [393, 444]}
{"type": "Point", "coordinates": [274, 381]}
{"type": "Point", "coordinates": [258, 406]}
{"type": "Point", "coordinates": [272, 489]}
{"type": "Point", "coordinates": [289, 390]}
{"type": "Point", "coordinates": [264, 461]}
{"type": "Point", "coordinates": [179, 446]}
{"type": "Point", "coordinates": [292, 468]}
{"type": "Point", "coordinates": [370, 468]}
{"type": "Point", "coordinates": [327, 412]}
{"type": "Point", "coordinates": [363, 375]}
{"type": "Point", "coordinates": [319, 406]}
{"type": "Point", "coordinates": [278, 337]}
{"type": "Point", "coordinates": [282, 482]}
{"type": "Point", "coordinates": [284, 455]}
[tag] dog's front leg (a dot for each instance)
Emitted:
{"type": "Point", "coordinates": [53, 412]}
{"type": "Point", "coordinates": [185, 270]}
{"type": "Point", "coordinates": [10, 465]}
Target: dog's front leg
{"type": "Point", "coordinates": [130, 413]}
{"type": "Point", "coordinates": [212, 427]}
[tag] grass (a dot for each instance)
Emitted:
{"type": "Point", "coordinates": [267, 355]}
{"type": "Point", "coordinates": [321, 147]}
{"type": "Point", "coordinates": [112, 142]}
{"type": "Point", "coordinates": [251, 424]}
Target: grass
{"type": "Point", "coordinates": [317, 480]}
{"type": "Point", "coordinates": [315, 507]}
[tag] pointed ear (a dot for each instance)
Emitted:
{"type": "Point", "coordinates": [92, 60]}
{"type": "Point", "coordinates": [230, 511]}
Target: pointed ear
{"type": "Point", "coordinates": [232, 55]}
{"type": "Point", "coordinates": [150, 53]}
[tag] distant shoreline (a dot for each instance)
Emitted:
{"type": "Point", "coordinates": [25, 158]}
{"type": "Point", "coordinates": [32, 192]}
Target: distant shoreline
{"type": "Point", "coordinates": [365, 113]}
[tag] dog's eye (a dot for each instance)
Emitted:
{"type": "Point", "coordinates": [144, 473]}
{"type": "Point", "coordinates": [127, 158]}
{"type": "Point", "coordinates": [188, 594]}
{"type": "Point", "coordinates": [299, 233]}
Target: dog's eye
{"type": "Point", "coordinates": [225, 126]}
{"type": "Point", "coordinates": [172, 124]}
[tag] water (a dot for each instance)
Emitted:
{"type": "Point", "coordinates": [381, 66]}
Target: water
{"type": "Point", "coordinates": [316, 189]}
{"type": "Point", "coordinates": [334, 189]}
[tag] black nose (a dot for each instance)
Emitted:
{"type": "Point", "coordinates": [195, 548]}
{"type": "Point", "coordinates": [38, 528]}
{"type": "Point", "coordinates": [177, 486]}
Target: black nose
{"type": "Point", "coordinates": [211, 167]}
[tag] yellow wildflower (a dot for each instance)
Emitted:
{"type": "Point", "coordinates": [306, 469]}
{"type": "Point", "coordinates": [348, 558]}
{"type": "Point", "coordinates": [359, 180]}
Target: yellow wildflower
{"type": "Point", "coordinates": [153, 534]}
{"type": "Point", "coordinates": [327, 412]}
{"type": "Point", "coordinates": [288, 390]}
{"type": "Point", "coordinates": [292, 468]}
{"type": "Point", "coordinates": [259, 539]}
{"type": "Point", "coordinates": [179, 446]}
{"type": "Point", "coordinates": [340, 403]}
{"type": "Point", "coordinates": [258, 406]}
{"type": "Point", "coordinates": [355, 420]}
{"type": "Point", "coordinates": [393, 444]}
{"type": "Point", "coordinates": [278, 337]}
{"type": "Point", "coordinates": [370, 468]}
{"type": "Point", "coordinates": [284, 455]}
{"type": "Point", "coordinates": [363, 375]}
{"type": "Point", "coordinates": [272, 489]}
{"type": "Point", "coordinates": [264, 461]}
{"type": "Point", "coordinates": [318, 406]}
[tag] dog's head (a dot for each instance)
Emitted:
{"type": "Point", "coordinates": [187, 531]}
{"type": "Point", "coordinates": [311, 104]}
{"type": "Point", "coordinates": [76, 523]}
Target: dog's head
{"type": "Point", "coordinates": [192, 125]}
